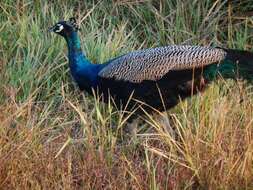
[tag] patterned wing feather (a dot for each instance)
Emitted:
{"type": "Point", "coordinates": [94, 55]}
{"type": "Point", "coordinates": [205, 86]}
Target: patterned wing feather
{"type": "Point", "coordinates": [153, 64]}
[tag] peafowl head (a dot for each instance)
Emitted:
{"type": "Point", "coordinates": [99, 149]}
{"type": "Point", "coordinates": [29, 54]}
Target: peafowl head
{"type": "Point", "coordinates": [65, 28]}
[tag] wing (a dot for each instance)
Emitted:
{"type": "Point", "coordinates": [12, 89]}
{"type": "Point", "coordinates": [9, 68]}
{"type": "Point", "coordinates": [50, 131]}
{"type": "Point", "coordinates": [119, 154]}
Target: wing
{"type": "Point", "coordinates": [152, 64]}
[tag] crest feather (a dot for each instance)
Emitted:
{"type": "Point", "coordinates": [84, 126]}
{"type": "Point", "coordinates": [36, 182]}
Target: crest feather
{"type": "Point", "coordinates": [73, 22]}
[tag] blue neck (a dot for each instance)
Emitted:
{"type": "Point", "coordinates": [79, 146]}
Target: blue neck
{"type": "Point", "coordinates": [82, 70]}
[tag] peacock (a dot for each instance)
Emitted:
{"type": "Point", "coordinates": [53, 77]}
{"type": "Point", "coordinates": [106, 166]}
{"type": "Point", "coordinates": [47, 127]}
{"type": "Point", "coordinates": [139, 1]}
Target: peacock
{"type": "Point", "coordinates": [156, 78]}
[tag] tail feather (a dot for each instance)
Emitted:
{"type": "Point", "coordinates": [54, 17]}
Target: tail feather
{"type": "Point", "coordinates": [238, 64]}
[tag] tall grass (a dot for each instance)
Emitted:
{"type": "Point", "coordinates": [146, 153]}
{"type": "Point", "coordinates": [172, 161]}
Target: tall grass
{"type": "Point", "coordinates": [52, 136]}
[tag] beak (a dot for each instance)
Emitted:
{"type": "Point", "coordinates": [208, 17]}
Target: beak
{"type": "Point", "coordinates": [51, 29]}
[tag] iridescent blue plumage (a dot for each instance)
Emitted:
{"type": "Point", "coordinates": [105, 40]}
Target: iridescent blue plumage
{"type": "Point", "coordinates": [83, 71]}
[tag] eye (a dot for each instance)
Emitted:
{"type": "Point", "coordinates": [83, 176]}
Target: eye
{"type": "Point", "coordinates": [59, 28]}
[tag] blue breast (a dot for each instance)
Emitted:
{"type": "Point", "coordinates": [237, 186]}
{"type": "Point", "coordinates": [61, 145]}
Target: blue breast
{"type": "Point", "coordinates": [84, 72]}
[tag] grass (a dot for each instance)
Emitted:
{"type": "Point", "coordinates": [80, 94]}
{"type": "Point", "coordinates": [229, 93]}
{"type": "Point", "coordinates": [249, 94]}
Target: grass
{"type": "Point", "coordinates": [54, 137]}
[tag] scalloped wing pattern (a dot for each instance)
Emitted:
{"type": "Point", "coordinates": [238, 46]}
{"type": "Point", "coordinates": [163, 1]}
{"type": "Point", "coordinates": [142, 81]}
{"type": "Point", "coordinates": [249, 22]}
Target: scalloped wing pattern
{"type": "Point", "coordinates": [152, 64]}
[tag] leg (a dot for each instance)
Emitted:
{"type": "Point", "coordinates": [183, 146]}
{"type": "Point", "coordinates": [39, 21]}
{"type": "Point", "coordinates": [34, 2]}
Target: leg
{"type": "Point", "coordinates": [164, 122]}
{"type": "Point", "coordinates": [131, 127]}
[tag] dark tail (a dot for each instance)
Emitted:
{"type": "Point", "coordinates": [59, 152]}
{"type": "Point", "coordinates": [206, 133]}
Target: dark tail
{"type": "Point", "coordinates": [241, 63]}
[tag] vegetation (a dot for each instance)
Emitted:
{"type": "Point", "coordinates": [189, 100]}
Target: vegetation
{"type": "Point", "coordinates": [52, 136]}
